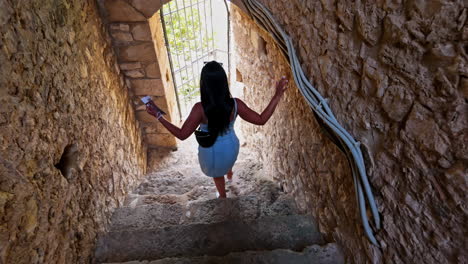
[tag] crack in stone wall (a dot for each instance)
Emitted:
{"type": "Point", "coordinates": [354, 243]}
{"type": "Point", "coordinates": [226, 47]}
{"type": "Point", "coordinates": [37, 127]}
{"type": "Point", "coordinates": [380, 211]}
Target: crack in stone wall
{"type": "Point", "coordinates": [396, 77]}
{"type": "Point", "coordinates": [60, 86]}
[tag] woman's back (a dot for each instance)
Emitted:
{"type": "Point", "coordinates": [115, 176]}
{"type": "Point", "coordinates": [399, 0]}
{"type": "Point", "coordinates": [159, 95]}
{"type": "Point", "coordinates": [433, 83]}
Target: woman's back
{"type": "Point", "coordinates": [232, 117]}
{"type": "Point", "coordinates": [217, 160]}
{"type": "Point", "coordinates": [205, 120]}
{"type": "Point", "coordinates": [216, 113]}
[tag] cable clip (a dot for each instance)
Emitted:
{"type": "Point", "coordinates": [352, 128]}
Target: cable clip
{"type": "Point", "coordinates": [325, 100]}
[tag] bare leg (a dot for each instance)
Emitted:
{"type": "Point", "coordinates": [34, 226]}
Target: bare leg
{"type": "Point", "coordinates": [220, 184]}
{"type": "Point", "coordinates": [229, 175]}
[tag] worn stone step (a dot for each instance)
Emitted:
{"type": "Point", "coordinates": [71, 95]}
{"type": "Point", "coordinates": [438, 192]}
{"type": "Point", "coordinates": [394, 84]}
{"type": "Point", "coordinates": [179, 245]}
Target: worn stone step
{"type": "Point", "coordinates": [315, 254]}
{"type": "Point", "coordinates": [267, 233]}
{"type": "Point", "coordinates": [198, 212]}
{"type": "Point", "coordinates": [190, 179]}
{"type": "Point", "coordinates": [173, 182]}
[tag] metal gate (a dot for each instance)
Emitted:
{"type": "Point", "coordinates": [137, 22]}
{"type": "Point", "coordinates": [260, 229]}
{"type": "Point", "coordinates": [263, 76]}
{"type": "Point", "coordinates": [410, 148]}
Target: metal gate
{"type": "Point", "coordinates": [196, 31]}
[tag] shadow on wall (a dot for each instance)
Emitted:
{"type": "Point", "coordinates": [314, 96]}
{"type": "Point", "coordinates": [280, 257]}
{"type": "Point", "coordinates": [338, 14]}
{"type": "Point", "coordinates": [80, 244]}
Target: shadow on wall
{"type": "Point", "coordinates": [70, 146]}
{"type": "Point", "coordinates": [395, 78]}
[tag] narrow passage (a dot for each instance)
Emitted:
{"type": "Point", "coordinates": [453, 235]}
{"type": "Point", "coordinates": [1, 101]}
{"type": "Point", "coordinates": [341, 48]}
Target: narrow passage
{"type": "Point", "coordinates": [178, 178]}
{"type": "Point", "coordinates": [174, 217]}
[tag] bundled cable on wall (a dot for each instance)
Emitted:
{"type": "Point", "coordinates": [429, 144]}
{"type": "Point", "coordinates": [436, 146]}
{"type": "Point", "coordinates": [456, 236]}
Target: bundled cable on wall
{"type": "Point", "coordinates": [324, 116]}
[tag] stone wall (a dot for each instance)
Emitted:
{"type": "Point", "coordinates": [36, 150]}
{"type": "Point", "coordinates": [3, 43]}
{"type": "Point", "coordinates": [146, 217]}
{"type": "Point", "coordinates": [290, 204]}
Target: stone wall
{"type": "Point", "coordinates": [70, 145]}
{"type": "Point", "coordinates": [138, 40]}
{"type": "Point", "coordinates": [396, 77]}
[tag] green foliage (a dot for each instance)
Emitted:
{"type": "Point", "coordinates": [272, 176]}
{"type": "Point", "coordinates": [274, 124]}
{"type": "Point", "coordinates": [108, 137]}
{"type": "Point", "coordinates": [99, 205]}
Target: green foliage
{"type": "Point", "coordinates": [189, 90]}
{"type": "Point", "coordinates": [185, 34]}
{"type": "Point", "coordinates": [188, 40]}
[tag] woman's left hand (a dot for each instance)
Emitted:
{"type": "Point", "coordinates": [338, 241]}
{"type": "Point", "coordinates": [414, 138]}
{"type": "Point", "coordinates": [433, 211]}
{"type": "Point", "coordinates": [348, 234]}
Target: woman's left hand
{"type": "Point", "coordinates": [281, 86]}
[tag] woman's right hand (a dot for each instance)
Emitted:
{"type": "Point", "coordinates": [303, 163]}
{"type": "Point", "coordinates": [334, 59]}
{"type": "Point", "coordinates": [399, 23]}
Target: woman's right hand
{"type": "Point", "coordinates": [281, 86]}
{"type": "Point", "coordinates": [152, 111]}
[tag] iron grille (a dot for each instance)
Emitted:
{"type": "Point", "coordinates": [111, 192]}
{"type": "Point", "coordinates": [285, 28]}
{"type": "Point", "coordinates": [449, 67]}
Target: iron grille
{"type": "Point", "coordinates": [192, 39]}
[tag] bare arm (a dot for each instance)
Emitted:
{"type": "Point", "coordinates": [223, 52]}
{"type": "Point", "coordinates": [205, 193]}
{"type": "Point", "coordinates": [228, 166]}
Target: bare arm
{"type": "Point", "coordinates": [260, 119]}
{"type": "Point", "coordinates": [189, 126]}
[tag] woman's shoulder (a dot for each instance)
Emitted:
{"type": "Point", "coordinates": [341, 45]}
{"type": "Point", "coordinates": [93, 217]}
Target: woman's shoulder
{"type": "Point", "coordinates": [197, 106]}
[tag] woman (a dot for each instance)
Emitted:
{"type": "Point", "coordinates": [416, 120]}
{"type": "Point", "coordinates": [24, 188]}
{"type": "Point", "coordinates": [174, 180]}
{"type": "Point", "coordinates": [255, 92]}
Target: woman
{"type": "Point", "coordinates": [216, 113]}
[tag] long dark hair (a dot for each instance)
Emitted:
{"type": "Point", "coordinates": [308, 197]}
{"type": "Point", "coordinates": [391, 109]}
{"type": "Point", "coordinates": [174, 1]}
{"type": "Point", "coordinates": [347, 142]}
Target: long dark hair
{"type": "Point", "coordinates": [215, 97]}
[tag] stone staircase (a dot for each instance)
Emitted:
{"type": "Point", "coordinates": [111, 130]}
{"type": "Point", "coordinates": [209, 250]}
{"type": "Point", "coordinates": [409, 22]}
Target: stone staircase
{"type": "Point", "coordinates": [174, 217]}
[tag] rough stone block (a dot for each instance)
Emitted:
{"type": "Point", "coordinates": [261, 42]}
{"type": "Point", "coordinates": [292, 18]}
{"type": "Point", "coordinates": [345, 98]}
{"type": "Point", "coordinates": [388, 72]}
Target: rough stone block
{"type": "Point", "coordinates": [422, 128]}
{"type": "Point", "coordinates": [144, 117]}
{"type": "Point", "coordinates": [153, 71]}
{"type": "Point", "coordinates": [5, 12]}
{"type": "Point", "coordinates": [119, 27]}
{"type": "Point", "coordinates": [130, 66]}
{"type": "Point", "coordinates": [141, 52]}
{"type": "Point", "coordinates": [397, 101]}
{"type": "Point", "coordinates": [162, 140]}
{"type": "Point", "coordinates": [464, 86]}
{"type": "Point", "coordinates": [147, 87]}
{"type": "Point", "coordinates": [121, 11]}
{"type": "Point", "coordinates": [238, 76]}
{"type": "Point", "coordinates": [148, 7]}
{"type": "Point", "coordinates": [266, 233]}
{"type": "Point", "coordinates": [122, 36]}
{"type": "Point", "coordinates": [134, 73]}
{"type": "Point", "coordinates": [142, 32]}
{"type": "Point", "coordinates": [368, 24]}
{"type": "Point", "coordinates": [151, 128]}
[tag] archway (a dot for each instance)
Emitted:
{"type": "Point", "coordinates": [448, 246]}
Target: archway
{"type": "Point", "coordinates": [323, 113]}
{"type": "Point", "coordinates": [138, 39]}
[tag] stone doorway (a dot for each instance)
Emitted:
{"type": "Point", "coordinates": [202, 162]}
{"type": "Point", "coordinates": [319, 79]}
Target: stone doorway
{"type": "Point", "coordinates": [138, 39]}
{"type": "Point", "coordinates": [195, 32]}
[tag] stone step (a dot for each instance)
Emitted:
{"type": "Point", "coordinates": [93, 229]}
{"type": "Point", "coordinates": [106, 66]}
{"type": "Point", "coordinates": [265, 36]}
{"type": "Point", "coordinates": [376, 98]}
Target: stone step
{"type": "Point", "coordinates": [173, 182]}
{"type": "Point", "coordinates": [187, 179]}
{"type": "Point", "coordinates": [200, 212]}
{"type": "Point", "coordinates": [315, 254]}
{"type": "Point", "coordinates": [267, 233]}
